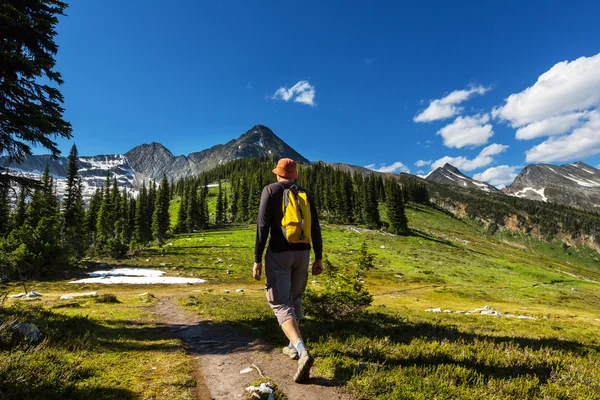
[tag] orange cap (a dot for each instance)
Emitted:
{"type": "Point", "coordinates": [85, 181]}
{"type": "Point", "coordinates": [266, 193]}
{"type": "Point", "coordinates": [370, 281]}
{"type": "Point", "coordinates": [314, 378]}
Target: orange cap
{"type": "Point", "coordinates": [286, 168]}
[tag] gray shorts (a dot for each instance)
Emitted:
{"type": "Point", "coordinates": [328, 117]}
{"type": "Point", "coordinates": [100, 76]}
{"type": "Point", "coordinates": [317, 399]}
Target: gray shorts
{"type": "Point", "coordinates": [287, 275]}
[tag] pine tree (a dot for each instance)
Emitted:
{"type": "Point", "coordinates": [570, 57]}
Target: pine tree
{"type": "Point", "coordinates": [142, 229]}
{"type": "Point", "coordinates": [182, 214]}
{"type": "Point", "coordinates": [20, 211]}
{"type": "Point", "coordinates": [243, 194]}
{"type": "Point", "coordinates": [371, 203]}
{"type": "Point", "coordinates": [30, 106]}
{"type": "Point", "coordinates": [73, 213]}
{"type": "Point", "coordinates": [234, 203]}
{"type": "Point", "coordinates": [4, 211]}
{"type": "Point", "coordinates": [105, 224]}
{"type": "Point", "coordinates": [160, 218]}
{"type": "Point", "coordinates": [41, 232]}
{"type": "Point", "coordinates": [203, 216]}
{"type": "Point", "coordinates": [395, 209]}
{"type": "Point", "coordinates": [220, 212]}
{"type": "Point", "coordinates": [91, 217]}
{"type": "Point", "coordinates": [194, 218]}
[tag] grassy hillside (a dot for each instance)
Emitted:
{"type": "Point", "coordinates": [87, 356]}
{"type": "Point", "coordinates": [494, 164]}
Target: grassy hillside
{"type": "Point", "coordinates": [397, 349]}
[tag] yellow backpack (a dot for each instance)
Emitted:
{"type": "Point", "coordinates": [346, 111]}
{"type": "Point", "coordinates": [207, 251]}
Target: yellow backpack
{"type": "Point", "coordinates": [295, 224]}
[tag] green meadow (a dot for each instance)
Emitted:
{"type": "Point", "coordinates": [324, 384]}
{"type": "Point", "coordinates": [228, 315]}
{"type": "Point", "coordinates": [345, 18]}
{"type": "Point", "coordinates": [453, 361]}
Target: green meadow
{"type": "Point", "coordinates": [394, 350]}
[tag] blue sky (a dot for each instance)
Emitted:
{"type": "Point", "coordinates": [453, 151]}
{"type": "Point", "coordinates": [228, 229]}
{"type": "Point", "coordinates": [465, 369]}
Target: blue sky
{"type": "Point", "coordinates": [365, 83]}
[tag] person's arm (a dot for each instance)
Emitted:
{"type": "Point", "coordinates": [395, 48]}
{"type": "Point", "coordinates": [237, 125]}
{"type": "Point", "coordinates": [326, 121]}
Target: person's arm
{"type": "Point", "coordinates": [263, 224]}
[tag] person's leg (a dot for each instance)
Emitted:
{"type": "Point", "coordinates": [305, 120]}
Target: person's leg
{"type": "Point", "coordinates": [299, 279]}
{"type": "Point", "coordinates": [278, 267]}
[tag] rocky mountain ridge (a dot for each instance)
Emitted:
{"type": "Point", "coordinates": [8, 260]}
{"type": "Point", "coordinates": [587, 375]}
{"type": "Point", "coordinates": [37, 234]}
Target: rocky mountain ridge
{"type": "Point", "coordinates": [576, 185]}
{"type": "Point", "coordinates": [450, 175]}
{"type": "Point", "coordinates": [153, 161]}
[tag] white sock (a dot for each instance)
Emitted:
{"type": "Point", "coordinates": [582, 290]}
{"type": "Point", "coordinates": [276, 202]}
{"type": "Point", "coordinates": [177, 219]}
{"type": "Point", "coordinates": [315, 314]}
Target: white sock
{"type": "Point", "coordinates": [291, 345]}
{"type": "Point", "coordinates": [300, 347]}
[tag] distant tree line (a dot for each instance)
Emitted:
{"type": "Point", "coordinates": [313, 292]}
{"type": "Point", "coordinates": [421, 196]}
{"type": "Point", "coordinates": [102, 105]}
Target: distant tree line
{"type": "Point", "coordinates": [41, 234]}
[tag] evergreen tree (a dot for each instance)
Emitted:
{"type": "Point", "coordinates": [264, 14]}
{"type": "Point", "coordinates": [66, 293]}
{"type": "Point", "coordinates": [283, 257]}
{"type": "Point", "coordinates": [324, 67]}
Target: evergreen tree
{"type": "Point", "coordinates": [160, 218]}
{"type": "Point", "coordinates": [182, 214]}
{"type": "Point", "coordinates": [91, 217]}
{"type": "Point", "coordinates": [371, 203]}
{"type": "Point", "coordinates": [243, 194]}
{"type": "Point", "coordinates": [234, 203]}
{"type": "Point", "coordinates": [105, 224]}
{"type": "Point", "coordinates": [194, 218]}
{"type": "Point", "coordinates": [20, 211]}
{"type": "Point", "coordinates": [73, 213]}
{"type": "Point", "coordinates": [30, 107]}
{"type": "Point", "coordinates": [203, 216]}
{"type": "Point", "coordinates": [39, 237]}
{"type": "Point", "coordinates": [142, 229]}
{"type": "Point", "coordinates": [4, 211]}
{"type": "Point", "coordinates": [220, 211]}
{"type": "Point", "coordinates": [395, 209]}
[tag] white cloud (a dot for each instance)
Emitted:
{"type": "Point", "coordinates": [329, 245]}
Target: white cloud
{"type": "Point", "coordinates": [369, 61]}
{"type": "Point", "coordinates": [422, 163]}
{"type": "Point", "coordinates": [302, 92]}
{"type": "Point", "coordinates": [249, 85]}
{"type": "Point", "coordinates": [583, 142]}
{"type": "Point", "coordinates": [447, 106]}
{"type": "Point", "coordinates": [394, 168]}
{"type": "Point", "coordinates": [483, 159]}
{"type": "Point", "coordinates": [551, 126]}
{"type": "Point", "coordinates": [564, 103]}
{"type": "Point", "coordinates": [467, 131]}
{"type": "Point", "coordinates": [500, 176]}
{"type": "Point", "coordinates": [564, 88]}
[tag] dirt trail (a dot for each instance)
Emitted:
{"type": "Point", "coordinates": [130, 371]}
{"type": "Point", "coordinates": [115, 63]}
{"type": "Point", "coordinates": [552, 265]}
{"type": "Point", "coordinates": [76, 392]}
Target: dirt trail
{"type": "Point", "coordinates": [221, 353]}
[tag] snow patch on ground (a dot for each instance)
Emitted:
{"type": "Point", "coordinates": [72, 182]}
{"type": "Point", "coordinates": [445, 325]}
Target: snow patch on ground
{"type": "Point", "coordinates": [482, 186]}
{"type": "Point", "coordinates": [128, 272]}
{"type": "Point", "coordinates": [588, 183]}
{"type": "Point", "coordinates": [539, 192]}
{"type": "Point", "coordinates": [452, 179]}
{"type": "Point", "coordinates": [136, 276]}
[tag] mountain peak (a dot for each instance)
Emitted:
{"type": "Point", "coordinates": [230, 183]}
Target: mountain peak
{"type": "Point", "coordinates": [576, 184]}
{"type": "Point", "coordinates": [450, 175]}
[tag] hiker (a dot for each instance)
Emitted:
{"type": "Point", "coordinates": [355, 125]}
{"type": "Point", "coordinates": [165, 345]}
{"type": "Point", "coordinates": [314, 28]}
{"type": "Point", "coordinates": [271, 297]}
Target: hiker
{"type": "Point", "coordinates": [288, 212]}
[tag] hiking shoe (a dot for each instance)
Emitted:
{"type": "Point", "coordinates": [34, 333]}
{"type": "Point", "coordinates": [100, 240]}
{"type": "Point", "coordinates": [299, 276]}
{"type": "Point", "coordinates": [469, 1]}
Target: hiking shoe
{"type": "Point", "coordinates": [305, 362]}
{"type": "Point", "coordinates": [291, 352]}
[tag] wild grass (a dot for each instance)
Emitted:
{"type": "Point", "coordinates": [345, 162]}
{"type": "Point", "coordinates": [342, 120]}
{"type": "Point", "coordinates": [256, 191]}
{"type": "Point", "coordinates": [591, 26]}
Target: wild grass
{"type": "Point", "coordinates": [394, 350]}
{"type": "Point", "coordinates": [93, 350]}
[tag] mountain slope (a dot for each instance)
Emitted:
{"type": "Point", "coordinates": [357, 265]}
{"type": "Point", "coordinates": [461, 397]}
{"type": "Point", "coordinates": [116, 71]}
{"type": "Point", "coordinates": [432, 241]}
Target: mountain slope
{"type": "Point", "coordinates": [450, 175]}
{"type": "Point", "coordinates": [575, 185]}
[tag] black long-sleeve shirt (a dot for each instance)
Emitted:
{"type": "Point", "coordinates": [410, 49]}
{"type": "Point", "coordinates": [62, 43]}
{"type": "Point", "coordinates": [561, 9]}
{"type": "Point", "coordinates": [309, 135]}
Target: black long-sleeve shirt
{"type": "Point", "coordinates": [270, 214]}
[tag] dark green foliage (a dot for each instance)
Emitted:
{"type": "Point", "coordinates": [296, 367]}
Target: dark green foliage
{"type": "Point", "coordinates": [371, 203]}
{"type": "Point", "coordinates": [20, 211]}
{"type": "Point", "coordinates": [160, 218]}
{"type": "Point", "coordinates": [143, 233]}
{"type": "Point", "coordinates": [73, 214]}
{"type": "Point", "coordinates": [341, 297]}
{"type": "Point", "coordinates": [220, 216]}
{"type": "Point", "coordinates": [395, 208]}
{"type": "Point", "coordinates": [31, 109]}
{"type": "Point", "coordinates": [364, 259]}
{"type": "Point", "coordinates": [35, 246]}
{"type": "Point", "coordinates": [91, 217]}
{"type": "Point", "coordinates": [4, 211]}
